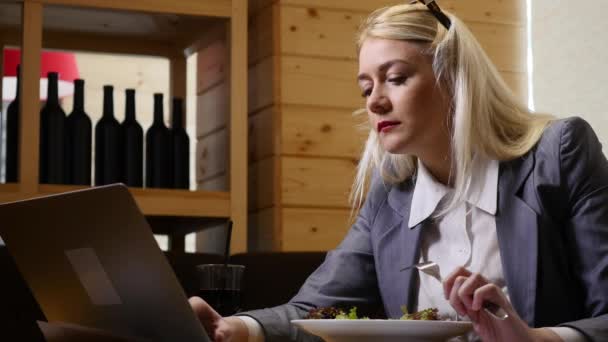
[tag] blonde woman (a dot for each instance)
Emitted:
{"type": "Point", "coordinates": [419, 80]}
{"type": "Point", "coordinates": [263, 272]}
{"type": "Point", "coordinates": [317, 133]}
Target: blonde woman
{"type": "Point", "coordinates": [512, 206]}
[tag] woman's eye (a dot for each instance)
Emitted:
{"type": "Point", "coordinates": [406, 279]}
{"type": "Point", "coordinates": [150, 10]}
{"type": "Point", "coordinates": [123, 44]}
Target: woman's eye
{"type": "Point", "coordinates": [397, 79]}
{"type": "Point", "coordinates": [366, 92]}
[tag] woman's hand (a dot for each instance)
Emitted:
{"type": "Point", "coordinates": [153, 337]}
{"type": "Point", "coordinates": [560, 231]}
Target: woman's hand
{"type": "Point", "coordinates": [219, 329]}
{"type": "Point", "coordinates": [468, 291]}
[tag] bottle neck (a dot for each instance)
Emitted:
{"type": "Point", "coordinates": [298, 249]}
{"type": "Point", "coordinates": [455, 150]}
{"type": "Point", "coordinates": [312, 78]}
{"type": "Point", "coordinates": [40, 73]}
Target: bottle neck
{"type": "Point", "coordinates": [52, 95]}
{"type": "Point", "coordinates": [130, 105]}
{"type": "Point", "coordinates": [79, 95]}
{"type": "Point", "coordinates": [158, 109]}
{"type": "Point", "coordinates": [108, 101]}
{"type": "Point", "coordinates": [178, 116]}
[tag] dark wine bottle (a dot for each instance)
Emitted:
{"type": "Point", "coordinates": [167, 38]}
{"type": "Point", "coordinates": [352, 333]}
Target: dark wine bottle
{"type": "Point", "coordinates": [78, 140]}
{"type": "Point", "coordinates": [12, 136]}
{"type": "Point", "coordinates": [181, 148]}
{"type": "Point", "coordinates": [52, 136]}
{"type": "Point", "coordinates": [108, 143]}
{"type": "Point", "coordinates": [158, 150]}
{"type": "Point", "coordinates": [134, 144]}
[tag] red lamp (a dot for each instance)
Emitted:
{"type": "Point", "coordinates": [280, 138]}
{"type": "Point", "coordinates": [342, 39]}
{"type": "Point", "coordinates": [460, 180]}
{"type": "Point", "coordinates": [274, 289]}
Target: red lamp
{"type": "Point", "coordinates": [62, 62]}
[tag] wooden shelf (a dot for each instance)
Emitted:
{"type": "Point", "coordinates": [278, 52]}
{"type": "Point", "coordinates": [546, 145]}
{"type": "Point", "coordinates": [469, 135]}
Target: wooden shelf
{"type": "Point", "coordinates": [171, 29]}
{"type": "Point", "coordinates": [153, 202]}
{"type": "Point", "coordinates": [203, 8]}
{"type": "Point", "coordinates": [9, 192]}
{"type": "Point", "coordinates": [110, 30]}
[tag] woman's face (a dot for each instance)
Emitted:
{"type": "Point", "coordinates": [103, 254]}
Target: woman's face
{"type": "Point", "coordinates": [403, 100]}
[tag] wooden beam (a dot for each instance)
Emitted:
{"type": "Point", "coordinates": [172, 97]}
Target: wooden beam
{"type": "Point", "coordinates": [77, 41]}
{"type": "Point", "coordinates": [177, 243]}
{"type": "Point", "coordinates": [212, 8]}
{"type": "Point", "coordinates": [90, 42]}
{"type": "Point", "coordinates": [31, 43]}
{"type": "Point", "coordinates": [238, 124]}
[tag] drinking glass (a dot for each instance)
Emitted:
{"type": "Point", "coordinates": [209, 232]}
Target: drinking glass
{"type": "Point", "coordinates": [220, 286]}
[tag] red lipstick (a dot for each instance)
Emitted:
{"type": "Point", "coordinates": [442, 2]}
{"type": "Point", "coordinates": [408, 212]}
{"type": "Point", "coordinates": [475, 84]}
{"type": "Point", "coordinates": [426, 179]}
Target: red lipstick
{"type": "Point", "coordinates": [384, 126]}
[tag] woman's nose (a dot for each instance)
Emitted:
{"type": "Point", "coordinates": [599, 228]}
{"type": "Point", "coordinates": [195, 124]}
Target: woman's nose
{"type": "Point", "coordinates": [379, 104]}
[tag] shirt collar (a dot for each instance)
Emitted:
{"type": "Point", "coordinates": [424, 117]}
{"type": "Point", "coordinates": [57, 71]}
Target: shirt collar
{"type": "Point", "coordinates": [428, 192]}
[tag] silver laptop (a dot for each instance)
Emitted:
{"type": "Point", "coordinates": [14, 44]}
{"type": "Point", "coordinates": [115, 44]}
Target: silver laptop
{"type": "Point", "coordinates": [91, 259]}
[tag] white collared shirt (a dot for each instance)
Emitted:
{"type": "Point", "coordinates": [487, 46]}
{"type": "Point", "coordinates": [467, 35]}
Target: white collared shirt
{"type": "Point", "coordinates": [464, 236]}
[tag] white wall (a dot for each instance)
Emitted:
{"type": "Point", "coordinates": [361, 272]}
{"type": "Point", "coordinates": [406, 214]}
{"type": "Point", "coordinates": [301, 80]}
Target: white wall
{"type": "Point", "coordinates": [570, 68]}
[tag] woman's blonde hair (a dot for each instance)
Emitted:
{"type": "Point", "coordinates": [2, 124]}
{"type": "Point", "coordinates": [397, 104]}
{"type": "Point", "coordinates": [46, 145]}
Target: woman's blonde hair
{"type": "Point", "coordinates": [485, 115]}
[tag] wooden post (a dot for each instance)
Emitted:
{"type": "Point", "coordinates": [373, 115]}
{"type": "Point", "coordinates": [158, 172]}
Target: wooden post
{"type": "Point", "coordinates": [31, 46]}
{"type": "Point", "coordinates": [238, 124]}
{"type": "Point", "coordinates": [177, 243]}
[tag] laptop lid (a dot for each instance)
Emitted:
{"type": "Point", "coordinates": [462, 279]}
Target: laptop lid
{"type": "Point", "coordinates": [19, 311]}
{"type": "Point", "coordinates": [90, 258]}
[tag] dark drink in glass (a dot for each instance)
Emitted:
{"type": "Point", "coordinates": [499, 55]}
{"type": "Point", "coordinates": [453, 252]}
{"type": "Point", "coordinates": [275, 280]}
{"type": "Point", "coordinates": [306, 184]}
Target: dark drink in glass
{"type": "Point", "coordinates": [220, 286]}
{"type": "Point", "coordinates": [225, 301]}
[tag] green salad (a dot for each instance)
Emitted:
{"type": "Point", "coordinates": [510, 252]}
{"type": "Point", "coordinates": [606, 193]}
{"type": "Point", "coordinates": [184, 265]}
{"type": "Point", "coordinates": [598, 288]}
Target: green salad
{"type": "Point", "coordinates": [429, 314]}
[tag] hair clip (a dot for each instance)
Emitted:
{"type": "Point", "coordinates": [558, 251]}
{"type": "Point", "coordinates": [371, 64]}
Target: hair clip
{"type": "Point", "coordinates": [436, 11]}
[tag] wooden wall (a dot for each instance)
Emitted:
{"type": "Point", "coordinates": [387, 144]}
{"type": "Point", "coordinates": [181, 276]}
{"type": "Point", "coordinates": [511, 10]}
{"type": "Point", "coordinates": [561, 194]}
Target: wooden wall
{"type": "Point", "coordinates": [304, 140]}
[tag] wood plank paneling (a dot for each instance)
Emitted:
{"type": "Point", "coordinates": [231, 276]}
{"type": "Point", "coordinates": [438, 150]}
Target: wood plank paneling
{"type": "Point", "coordinates": [331, 33]}
{"type": "Point", "coordinates": [213, 105]}
{"type": "Point", "coordinates": [212, 64]}
{"type": "Point", "coordinates": [262, 83]}
{"type": "Point", "coordinates": [319, 82]}
{"type": "Point", "coordinates": [328, 33]}
{"type": "Point", "coordinates": [256, 6]}
{"type": "Point", "coordinates": [313, 229]}
{"type": "Point", "coordinates": [262, 231]}
{"type": "Point", "coordinates": [316, 182]}
{"type": "Point", "coordinates": [261, 134]}
{"type": "Point", "coordinates": [322, 131]}
{"type": "Point", "coordinates": [262, 34]}
{"type": "Point", "coordinates": [262, 182]}
{"type": "Point", "coordinates": [212, 156]}
{"type": "Point", "coordinates": [212, 110]}
{"type": "Point", "coordinates": [211, 149]}
{"type": "Point", "coordinates": [492, 11]}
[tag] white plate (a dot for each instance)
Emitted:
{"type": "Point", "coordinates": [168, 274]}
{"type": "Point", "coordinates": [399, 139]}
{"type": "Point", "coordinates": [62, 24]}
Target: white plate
{"type": "Point", "coordinates": [341, 330]}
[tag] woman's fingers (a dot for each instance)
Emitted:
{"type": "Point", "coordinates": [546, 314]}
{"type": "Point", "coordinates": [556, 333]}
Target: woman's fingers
{"type": "Point", "coordinates": [448, 283]}
{"type": "Point", "coordinates": [205, 313]}
{"type": "Point", "coordinates": [454, 298]}
{"type": "Point", "coordinates": [468, 288]}
{"type": "Point", "coordinates": [489, 293]}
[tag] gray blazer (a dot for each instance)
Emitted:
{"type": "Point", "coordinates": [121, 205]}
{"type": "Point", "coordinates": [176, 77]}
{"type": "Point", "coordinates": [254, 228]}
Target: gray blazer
{"type": "Point", "coordinates": [552, 227]}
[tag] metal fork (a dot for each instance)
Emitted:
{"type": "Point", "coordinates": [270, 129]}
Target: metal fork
{"type": "Point", "coordinates": [431, 268]}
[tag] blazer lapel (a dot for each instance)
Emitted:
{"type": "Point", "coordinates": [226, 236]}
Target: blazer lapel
{"type": "Point", "coordinates": [400, 248]}
{"type": "Point", "coordinates": [517, 231]}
